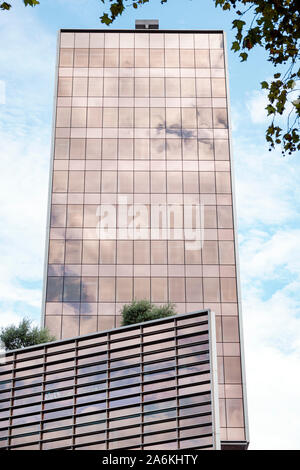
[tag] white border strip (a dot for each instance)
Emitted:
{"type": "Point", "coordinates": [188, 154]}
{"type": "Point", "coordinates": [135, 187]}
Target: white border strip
{"type": "Point", "coordinates": [214, 380]}
{"type": "Point", "coordinates": [47, 238]}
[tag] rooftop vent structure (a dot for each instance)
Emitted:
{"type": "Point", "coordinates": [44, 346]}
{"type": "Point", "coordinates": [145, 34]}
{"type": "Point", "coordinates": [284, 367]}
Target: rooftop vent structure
{"type": "Point", "coordinates": [146, 24]}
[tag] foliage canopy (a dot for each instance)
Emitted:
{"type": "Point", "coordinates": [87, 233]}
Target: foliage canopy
{"type": "Point", "coordinates": [23, 335]}
{"type": "Point", "coordinates": [142, 310]}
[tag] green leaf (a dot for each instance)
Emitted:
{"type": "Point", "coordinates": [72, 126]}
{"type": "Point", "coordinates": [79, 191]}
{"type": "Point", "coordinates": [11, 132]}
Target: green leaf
{"type": "Point", "coordinates": [270, 109]}
{"type": "Point", "coordinates": [239, 24]}
{"type": "Point", "coordinates": [243, 56]}
{"type": "Point", "coordinates": [31, 3]}
{"type": "Point", "coordinates": [264, 85]}
{"type": "Point", "coordinates": [116, 9]}
{"type": "Point", "coordinates": [5, 6]}
{"type": "Point", "coordinates": [235, 46]}
{"type": "Point", "coordinates": [105, 19]}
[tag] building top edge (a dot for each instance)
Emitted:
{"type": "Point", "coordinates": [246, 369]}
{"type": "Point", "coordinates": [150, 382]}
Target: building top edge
{"type": "Point", "coordinates": [143, 31]}
{"type": "Point", "coordinates": [103, 332]}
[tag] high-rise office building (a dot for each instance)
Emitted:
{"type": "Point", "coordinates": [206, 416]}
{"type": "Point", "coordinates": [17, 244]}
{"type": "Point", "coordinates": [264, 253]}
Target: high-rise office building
{"type": "Point", "coordinates": [141, 202]}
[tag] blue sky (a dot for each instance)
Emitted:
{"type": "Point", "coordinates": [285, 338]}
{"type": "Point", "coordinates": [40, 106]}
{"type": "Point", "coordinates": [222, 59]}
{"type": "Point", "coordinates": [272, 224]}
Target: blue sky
{"type": "Point", "coordinates": [267, 193]}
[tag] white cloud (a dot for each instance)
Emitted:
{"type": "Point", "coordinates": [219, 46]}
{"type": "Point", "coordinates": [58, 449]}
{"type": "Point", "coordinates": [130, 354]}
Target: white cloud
{"type": "Point", "coordinates": [267, 255]}
{"type": "Point", "coordinates": [24, 167]}
{"type": "Point", "coordinates": [256, 102]}
{"type": "Point", "coordinates": [26, 45]}
{"type": "Point", "coordinates": [267, 184]}
{"type": "Point", "coordinates": [9, 318]}
{"type": "Point", "coordinates": [27, 68]}
{"type": "Point", "coordinates": [274, 407]}
{"type": "Point", "coordinates": [23, 220]}
{"type": "Point", "coordinates": [256, 106]}
{"type": "Point", "coordinates": [268, 217]}
{"type": "Point", "coordinates": [272, 341]}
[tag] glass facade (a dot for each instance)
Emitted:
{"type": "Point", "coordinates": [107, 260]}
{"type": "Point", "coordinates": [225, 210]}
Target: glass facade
{"type": "Point", "coordinates": [142, 140]}
{"type": "Point", "coordinates": [147, 386]}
